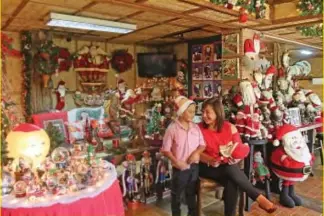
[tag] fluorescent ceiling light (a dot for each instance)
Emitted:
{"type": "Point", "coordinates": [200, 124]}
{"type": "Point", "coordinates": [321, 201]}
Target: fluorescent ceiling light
{"type": "Point", "coordinates": [306, 52]}
{"type": "Point", "coordinates": [78, 22]}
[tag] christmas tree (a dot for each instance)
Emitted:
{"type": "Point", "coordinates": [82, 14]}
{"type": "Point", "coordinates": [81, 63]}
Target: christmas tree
{"type": "Point", "coordinates": [154, 125]}
{"type": "Point", "coordinates": [55, 135]}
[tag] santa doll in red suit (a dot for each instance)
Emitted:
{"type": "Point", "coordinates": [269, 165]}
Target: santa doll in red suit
{"type": "Point", "coordinates": [60, 95]}
{"type": "Point", "coordinates": [291, 162]}
{"type": "Point", "coordinates": [121, 88]}
{"type": "Point", "coordinates": [316, 102]}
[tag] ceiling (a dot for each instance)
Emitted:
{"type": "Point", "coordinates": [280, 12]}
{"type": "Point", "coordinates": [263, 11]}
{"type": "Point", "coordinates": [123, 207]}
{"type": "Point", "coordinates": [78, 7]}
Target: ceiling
{"type": "Point", "coordinates": [158, 21]}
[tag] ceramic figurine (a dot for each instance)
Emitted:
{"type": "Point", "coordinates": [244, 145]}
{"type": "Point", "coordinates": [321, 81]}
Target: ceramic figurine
{"type": "Point", "coordinates": [261, 171]}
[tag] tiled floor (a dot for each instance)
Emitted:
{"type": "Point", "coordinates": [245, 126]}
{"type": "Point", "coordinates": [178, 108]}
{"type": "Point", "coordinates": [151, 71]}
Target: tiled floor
{"type": "Point", "coordinates": [310, 190]}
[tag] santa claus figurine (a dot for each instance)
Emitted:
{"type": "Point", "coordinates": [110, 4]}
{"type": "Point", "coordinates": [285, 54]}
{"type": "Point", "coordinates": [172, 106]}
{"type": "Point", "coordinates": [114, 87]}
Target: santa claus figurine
{"type": "Point", "coordinates": [60, 95]}
{"type": "Point", "coordinates": [291, 162]}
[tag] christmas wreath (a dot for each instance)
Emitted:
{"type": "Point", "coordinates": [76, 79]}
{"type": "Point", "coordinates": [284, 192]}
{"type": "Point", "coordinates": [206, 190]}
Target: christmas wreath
{"type": "Point", "coordinates": [121, 60]}
{"type": "Point", "coordinates": [310, 7]}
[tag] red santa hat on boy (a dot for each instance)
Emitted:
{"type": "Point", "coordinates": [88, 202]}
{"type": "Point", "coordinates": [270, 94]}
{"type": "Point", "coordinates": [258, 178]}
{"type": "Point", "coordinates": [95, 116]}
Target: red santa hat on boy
{"type": "Point", "coordinates": [182, 103]}
{"type": "Point", "coordinates": [282, 131]}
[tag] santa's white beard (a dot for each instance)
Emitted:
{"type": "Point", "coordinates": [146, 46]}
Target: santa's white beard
{"type": "Point", "coordinates": [62, 91]}
{"type": "Point", "coordinates": [302, 154]}
{"type": "Point", "coordinates": [248, 94]}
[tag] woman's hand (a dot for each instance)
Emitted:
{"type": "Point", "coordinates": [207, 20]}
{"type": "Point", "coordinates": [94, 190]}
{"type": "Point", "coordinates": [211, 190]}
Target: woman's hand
{"type": "Point", "coordinates": [181, 165]}
{"type": "Point", "coordinates": [193, 158]}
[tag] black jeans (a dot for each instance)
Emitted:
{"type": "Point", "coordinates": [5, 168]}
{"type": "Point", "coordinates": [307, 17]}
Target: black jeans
{"type": "Point", "coordinates": [232, 178]}
{"type": "Point", "coordinates": [186, 180]}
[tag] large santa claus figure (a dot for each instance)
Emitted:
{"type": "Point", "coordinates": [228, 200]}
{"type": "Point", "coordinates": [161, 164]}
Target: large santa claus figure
{"type": "Point", "coordinates": [291, 162]}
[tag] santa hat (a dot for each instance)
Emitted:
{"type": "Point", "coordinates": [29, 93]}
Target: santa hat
{"type": "Point", "coordinates": [248, 47]}
{"type": "Point", "coordinates": [120, 81]}
{"type": "Point", "coordinates": [282, 131]}
{"type": "Point", "coordinates": [238, 100]}
{"type": "Point", "coordinates": [26, 127]}
{"type": "Point", "coordinates": [271, 70]}
{"type": "Point", "coordinates": [61, 83]}
{"type": "Point", "coordinates": [182, 103]}
{"type": "Point", "coordinates": [130, 157]}
{"type": "Point", "coordinates": [146, 153]}
{"type": "Point", "coordinates": [308, 92]}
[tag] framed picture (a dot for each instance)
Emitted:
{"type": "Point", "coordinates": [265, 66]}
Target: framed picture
{"type": "Point", "coordinates": [208, 91]}
{"type": "Point", "coordinates": [230, 44]}
{"type": "Point", "coordinates": [208, 53]}
{"type": "Point", "coordinates": [217, 51]}
{"type": "Point", "coordinates": [208, 71]}
{"type": "Point", "coordinates": [196, 54]}
{"type": "Point", "coordinates": [230, 69]}
{"type": "Point", "coordinates": [294, 116]}
{"type": "Point", "coordinates": [197, 72]}
{"type": "Point", "coordinates": [217, 87]}
{"type": "Point", "coordinates": [197, 89]}
{"type": "Point", "coordinates": [217, 70]}
{"type": "Point", "coordinates": [58, 123]}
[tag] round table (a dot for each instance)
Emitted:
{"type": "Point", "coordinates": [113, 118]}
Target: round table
{"type": "Point", "coordinates": [103, 199]}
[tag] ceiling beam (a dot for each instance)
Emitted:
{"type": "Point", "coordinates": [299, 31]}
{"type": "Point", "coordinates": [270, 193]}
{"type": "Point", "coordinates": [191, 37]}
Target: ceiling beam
{"type": "Point", "coordinates": [291, 22]}
{"type": "Point", "coordinates": [15, 13]}
{"type": "Point", "coordinates": [91, 4]}
{"type": "Point", "coordinates": [166, 12]}
{"type": "Point", "coordinates": [275, 2]}
{"type": "Point", "coordinates": [287, 40]}
{"type": "Point", "coordinates": [221, 9]}
{"type": "Point", "coordinates": [147, 27]}
{"type": "Point", "coordinates": [129, 15]}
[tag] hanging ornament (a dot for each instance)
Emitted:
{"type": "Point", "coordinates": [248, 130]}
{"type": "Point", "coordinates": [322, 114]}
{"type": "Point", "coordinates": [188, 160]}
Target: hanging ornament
{"type": "Point", "coordinates": [243, 15]}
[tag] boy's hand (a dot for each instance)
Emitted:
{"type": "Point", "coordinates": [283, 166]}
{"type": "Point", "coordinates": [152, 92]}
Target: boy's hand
{"type": "Point", "coordinates": [194, 157]}
{"type": "Point", "coordinates": [181, 165]}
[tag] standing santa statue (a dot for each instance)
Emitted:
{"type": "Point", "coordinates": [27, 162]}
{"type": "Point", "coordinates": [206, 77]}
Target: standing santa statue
{"type": "Point", "coordinates": [291, 162]}
{"type": "Point", "coordinates": [60, 95]}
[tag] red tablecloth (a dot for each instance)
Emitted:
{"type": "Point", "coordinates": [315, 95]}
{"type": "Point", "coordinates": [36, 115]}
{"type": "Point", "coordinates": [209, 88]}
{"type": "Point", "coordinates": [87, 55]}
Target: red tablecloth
{"type": "Point", "coordinates": [107, 203]}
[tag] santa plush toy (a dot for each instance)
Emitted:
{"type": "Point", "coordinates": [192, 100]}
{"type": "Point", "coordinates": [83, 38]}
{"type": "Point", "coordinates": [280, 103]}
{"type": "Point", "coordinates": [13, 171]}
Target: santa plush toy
{"type": "Point", "coordinates": [121, 88]}
{"type": "Point", "coordinates": [60, 95]}
{"type": "Point", "coordinates": [291, 162]}
{"type": "Point", "coordinates": [271, 71]}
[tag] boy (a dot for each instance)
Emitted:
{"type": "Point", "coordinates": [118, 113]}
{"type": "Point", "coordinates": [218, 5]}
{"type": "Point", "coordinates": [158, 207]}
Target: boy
{"type": "Point", "coordinates": [183, 143]}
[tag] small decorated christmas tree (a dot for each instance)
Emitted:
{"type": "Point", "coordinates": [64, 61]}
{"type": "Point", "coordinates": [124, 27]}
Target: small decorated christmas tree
{"type": "Point", "coordinates": [55, 135]}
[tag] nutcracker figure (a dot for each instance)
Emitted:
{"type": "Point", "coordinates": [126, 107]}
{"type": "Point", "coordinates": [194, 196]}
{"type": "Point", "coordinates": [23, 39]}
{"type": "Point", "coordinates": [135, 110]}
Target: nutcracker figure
{"type": "Point", "coordinates": [129, 180]}
{"type": "Point", "coordinates": [163, 171]}
{"type": "Point", "coordinates": [146, 175]}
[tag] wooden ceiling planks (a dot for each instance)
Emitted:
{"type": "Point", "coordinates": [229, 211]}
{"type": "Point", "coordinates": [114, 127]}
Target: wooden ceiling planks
{"type": "Point", "coordinates": [113, 9]}
{"type": "Point", "coordinates": [9, 6]}
{"type": "Point", "coordinates": [170, 5]}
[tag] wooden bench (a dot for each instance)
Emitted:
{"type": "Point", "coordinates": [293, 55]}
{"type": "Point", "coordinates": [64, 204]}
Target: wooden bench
{"type": "Point", "coordinates": [206, 185]}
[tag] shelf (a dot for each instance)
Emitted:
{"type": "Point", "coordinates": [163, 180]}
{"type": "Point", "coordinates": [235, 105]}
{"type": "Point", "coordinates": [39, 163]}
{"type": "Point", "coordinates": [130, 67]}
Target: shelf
{"type": "Point", "coordinates": [92, 84]}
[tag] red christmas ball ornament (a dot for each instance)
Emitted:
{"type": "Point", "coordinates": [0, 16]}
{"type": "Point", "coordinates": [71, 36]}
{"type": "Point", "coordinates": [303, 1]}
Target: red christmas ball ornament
{"type": "Point", "coordinates": [243, 16]}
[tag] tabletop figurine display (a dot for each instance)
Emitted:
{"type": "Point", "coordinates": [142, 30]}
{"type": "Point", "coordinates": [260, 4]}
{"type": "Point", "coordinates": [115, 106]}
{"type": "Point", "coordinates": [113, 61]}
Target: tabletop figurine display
{"type": "Point", "coordinates": [146, 176]}
{"type": "Point", "coordinates": [130, 181]}
{"type": "Point", "coordinates": [61, 173]}
{"type": "Point", "coordinates": [260, 170]}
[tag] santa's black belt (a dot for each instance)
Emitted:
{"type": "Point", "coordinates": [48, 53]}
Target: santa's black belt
{"type": "Point", "coordinates": [305, 170]}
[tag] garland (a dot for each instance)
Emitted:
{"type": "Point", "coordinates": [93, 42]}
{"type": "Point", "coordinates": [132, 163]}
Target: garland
{"type": "Point", "coordinates": [26, 41]}
{"type": "Point", "coordinates": [310, 7]}
{"type": "Point", "coordinates": [311, 31]}
{"type": "Point", "coordinates": [121, 60]}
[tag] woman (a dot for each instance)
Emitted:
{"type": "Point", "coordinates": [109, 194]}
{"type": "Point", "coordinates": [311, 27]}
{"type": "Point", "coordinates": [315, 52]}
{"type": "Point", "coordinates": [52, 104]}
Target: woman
{"type": "Point", "coordinates": [224, 149]}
